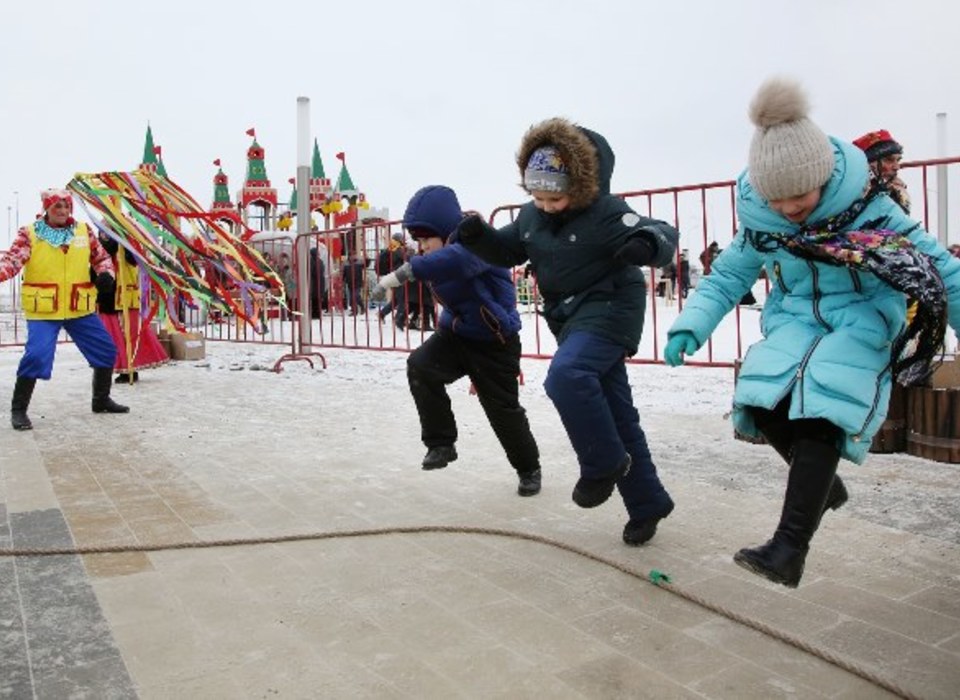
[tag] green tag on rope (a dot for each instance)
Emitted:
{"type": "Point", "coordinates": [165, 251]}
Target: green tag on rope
{"type": "Point", "coordinates": [658, 577]}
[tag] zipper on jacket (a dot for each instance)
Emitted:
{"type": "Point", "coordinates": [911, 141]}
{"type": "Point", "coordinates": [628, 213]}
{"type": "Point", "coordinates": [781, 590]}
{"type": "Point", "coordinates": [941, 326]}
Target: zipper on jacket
{"type": "Point", "coordinates": [873, 406]}
{"type": "Point", "coordinates": [855, 276]}
{"type": "Point", "coordinates": [779, 278]}
{"type": "Point", "coordinates": [816, 296]}
{"type": "Point", "coordinates": [803, 367]}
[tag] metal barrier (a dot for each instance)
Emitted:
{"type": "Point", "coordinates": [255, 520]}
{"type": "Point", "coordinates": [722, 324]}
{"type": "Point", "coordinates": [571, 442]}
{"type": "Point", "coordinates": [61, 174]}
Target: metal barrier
{"type": "Point", "coordinates": [336, 311]}
{"type": "Point", "coordinates": [704, 213]}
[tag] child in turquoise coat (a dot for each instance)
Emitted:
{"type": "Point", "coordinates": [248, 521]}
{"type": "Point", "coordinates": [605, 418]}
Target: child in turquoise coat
{"type": "Point", "coordinates": [843, 258]}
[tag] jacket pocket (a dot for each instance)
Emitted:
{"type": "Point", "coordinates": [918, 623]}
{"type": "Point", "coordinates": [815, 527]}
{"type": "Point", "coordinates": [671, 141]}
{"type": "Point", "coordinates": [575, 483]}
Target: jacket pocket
{"type": "Point", "coordinates": [39, 298]}
{"type": "Point", "coordinates": [130, 299]}
{"type": "Point", "coordinates": [83, 297]}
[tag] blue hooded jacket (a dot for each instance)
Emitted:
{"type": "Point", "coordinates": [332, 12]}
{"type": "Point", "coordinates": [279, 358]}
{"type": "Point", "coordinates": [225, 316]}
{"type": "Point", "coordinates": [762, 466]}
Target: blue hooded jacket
{"type": "Point", "coordinates": [479, 301]}
{"type": "Point", "coordinates": [827, 330]}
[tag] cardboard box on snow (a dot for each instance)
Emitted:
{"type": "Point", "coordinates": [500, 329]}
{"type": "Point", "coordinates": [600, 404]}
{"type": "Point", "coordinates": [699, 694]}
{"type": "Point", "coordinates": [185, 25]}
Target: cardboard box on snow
{"type": "Point", "coordinates": [187, 346]}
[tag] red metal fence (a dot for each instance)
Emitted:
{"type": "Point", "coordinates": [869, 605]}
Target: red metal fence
{"type": "Point", "coordinates": [333, 283]}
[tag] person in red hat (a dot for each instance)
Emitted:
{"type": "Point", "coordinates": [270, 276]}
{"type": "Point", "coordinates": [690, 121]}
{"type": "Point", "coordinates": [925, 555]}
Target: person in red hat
{"type": "Point", "coordinates": [55, 253]}
{"type": "Point", "coordinates": [884, 154]}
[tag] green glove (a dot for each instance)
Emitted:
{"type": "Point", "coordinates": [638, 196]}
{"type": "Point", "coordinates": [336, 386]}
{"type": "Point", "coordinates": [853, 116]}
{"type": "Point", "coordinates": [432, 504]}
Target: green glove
{"type": "Point", "coordinates": [681, 343]}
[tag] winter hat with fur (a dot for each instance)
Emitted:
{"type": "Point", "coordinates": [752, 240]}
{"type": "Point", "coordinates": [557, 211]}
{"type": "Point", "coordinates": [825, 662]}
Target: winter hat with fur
{"type": "Point", "coordinates": [789, 154]}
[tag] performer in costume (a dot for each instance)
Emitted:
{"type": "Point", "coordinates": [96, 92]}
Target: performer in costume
{"type": "Point", "coordinates": [55, 253]}
{"type": "Point", "coordinates": [137, 345]}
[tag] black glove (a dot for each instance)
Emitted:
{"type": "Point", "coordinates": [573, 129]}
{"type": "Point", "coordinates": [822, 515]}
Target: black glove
{"type": "Point", "coordinates": [105, 283]}
{"type": "Point", "coordinates": [471, 229]}
{"type": "Point", "coordinates": [637, 251]}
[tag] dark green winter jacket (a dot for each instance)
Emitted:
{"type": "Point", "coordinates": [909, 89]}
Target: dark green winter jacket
{"type": "Point", "coordinates": [583, 286]}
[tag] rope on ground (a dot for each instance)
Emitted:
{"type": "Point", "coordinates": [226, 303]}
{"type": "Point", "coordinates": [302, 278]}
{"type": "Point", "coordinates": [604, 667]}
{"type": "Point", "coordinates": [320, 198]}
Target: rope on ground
{"type": "Point", "coordinates": [657, 578]}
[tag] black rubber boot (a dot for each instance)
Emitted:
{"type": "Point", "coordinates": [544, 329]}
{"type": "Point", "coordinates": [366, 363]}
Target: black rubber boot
{"type": "Point", "coordinates": [22, 392]}
{"type": "Point", "coordinates": [439, 457]}
{"type": "Point", "coordinates": [812, 472]}
{"type": "Point", "coordinates": [102, 403]}
{"type": "Point", "coordinates": [778, 432]}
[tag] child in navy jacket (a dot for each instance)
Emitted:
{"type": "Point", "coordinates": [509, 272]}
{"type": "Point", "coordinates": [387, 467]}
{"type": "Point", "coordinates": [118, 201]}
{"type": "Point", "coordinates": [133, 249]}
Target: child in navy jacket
{"type": "Point", "coordinates": [477, 336]}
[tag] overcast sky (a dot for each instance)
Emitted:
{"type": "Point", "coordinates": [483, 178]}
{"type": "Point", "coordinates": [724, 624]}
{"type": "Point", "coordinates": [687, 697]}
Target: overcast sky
{"type": "Point", "coordinates": [427, 91]}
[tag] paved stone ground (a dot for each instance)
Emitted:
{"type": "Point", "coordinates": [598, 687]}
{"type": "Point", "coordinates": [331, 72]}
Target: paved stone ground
{"type": "Point", "coordinates": [434, 615]}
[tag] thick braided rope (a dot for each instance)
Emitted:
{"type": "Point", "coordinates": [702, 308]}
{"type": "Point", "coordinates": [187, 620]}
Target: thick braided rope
{"type": "Point", "coordinates": [656, 578]}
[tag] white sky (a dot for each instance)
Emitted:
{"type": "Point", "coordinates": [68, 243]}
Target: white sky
{"type": "Point", "coordinates": [425, 91]}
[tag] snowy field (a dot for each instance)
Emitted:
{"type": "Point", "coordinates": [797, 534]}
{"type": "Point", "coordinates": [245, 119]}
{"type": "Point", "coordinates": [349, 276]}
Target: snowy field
{"type": "Point", "coordinates": [358, 408]}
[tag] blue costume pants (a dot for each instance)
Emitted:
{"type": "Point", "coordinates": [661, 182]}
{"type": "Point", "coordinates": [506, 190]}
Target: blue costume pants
{"type": "Point", "coordinates": [87, 332]}
{"type": "Point", "coordinates": [587, 382]}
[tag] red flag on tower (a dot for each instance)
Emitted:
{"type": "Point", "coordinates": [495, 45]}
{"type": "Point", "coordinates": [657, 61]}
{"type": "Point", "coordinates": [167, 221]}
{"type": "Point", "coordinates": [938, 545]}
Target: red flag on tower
{"type": "Point", "coordinates": [291, 181]}
{"type": "Point", "coordinates": [156, 150]}
{"type": "Point", "coordinates": [252, 132]}
{"type": "Point", "coordinates": [342, 156]}
{"type": "Point", "coordinates": [217, 162]}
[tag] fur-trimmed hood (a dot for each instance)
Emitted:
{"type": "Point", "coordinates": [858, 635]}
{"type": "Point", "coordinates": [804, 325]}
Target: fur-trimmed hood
{"type": "Point", "coordinates": [586, 154]}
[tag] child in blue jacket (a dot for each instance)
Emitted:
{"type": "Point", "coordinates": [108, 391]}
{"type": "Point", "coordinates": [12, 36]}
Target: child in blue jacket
{"type": "Point", "coordinates": [477, 336]}
{"type": "Point", "coordinates": [843, 258]}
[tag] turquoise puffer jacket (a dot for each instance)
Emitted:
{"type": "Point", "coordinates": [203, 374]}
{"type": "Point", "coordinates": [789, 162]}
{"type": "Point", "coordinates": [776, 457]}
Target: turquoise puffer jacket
{"type": "Point", "coordinates": [827, 330]}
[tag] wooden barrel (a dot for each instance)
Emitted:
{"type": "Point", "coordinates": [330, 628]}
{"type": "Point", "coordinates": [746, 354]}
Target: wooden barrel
{"type": "Point", "coordinates": [736, 433]}
{"type": "Point", "coordinates": [933, 424]}
{"type": "Point", "coordinates": [892, 436]}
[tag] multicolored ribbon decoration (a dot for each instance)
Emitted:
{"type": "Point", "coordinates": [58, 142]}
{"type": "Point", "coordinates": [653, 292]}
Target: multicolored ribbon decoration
{"type": "Point", "coordinates": [142, 212]}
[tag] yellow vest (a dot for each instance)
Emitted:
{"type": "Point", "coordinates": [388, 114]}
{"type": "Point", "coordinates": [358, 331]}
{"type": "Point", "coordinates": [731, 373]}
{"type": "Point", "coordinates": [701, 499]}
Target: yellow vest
{"type": "Point", "coordinates": [56, 282]}
{"type": "Point", "coordinates": [128, 283]}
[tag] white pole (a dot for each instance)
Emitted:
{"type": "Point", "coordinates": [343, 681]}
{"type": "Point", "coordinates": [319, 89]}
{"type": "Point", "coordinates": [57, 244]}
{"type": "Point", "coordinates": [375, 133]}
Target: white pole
{"type": "Point", "coordinates": [303, 220]}
{"type": "Point", "coordinates": [942, 217]}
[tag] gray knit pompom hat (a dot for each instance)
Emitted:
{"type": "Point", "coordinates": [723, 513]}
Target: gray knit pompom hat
{"type": "Point", "coordinates": [789, 154]}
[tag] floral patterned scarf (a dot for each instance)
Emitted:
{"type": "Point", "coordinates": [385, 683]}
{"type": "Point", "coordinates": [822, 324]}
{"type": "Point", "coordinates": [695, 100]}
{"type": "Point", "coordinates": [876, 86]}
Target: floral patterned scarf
{"type": "Point", "coordinates": [893, 258]}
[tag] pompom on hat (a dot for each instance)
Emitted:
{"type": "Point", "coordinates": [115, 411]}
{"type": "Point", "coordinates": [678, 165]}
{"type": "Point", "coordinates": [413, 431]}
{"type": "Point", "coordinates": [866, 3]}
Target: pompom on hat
{"type": "Point", "coordinates": [546, 172]}
{"type": "Point", "coordinates": [789, 154]}
{"type": "Point", "coordinates": [877, 145]}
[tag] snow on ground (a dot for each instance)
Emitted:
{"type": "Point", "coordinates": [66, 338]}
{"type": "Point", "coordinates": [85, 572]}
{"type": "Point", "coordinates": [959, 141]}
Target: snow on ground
{"type": "Point", "coordinates": [364, 395]}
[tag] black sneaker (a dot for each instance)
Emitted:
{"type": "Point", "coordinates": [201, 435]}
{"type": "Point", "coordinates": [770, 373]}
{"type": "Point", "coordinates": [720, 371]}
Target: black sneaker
{"type": "Point", "coordinates": [529, 483]}
{"type": "Point", "coordinates": [590, 493]}
{"type": "Point", "coordinates": [439, 457]}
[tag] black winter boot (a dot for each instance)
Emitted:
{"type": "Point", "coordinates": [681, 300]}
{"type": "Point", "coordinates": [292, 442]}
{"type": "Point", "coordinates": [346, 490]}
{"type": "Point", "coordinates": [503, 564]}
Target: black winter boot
{"type": "Point", "coordinates": [127, 378]}
{"type": "Point", "coordinates": [22, 392]}
{"type": "Point", "coordinates": [529, 483]}
{"type": "Point", "coordinates": [812, 472]}
{"type": "Point", "coordinates": [590, 493]}
{"type": "Point", "coordinates": [102, 403]}
{"type": "Point", "coordinates": [779, 434]}
{"type": "Point", "coordinates": [439, 457]}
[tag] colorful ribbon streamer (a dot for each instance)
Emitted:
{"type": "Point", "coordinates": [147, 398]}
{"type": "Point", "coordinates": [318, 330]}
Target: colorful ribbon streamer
{"type": "Point", "coordinates": [142, 211]}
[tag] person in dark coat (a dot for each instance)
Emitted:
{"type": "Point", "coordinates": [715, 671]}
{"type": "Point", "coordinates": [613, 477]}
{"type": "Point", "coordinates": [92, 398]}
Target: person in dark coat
{"type": "Point", "coordinates": [478, 335]}
{"type": "Point", "coordinates": [318, 283]}
{"type": "Point", "coordinates": [586, 248]}
{"type": "Point", "coordinates": [389, 260]}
